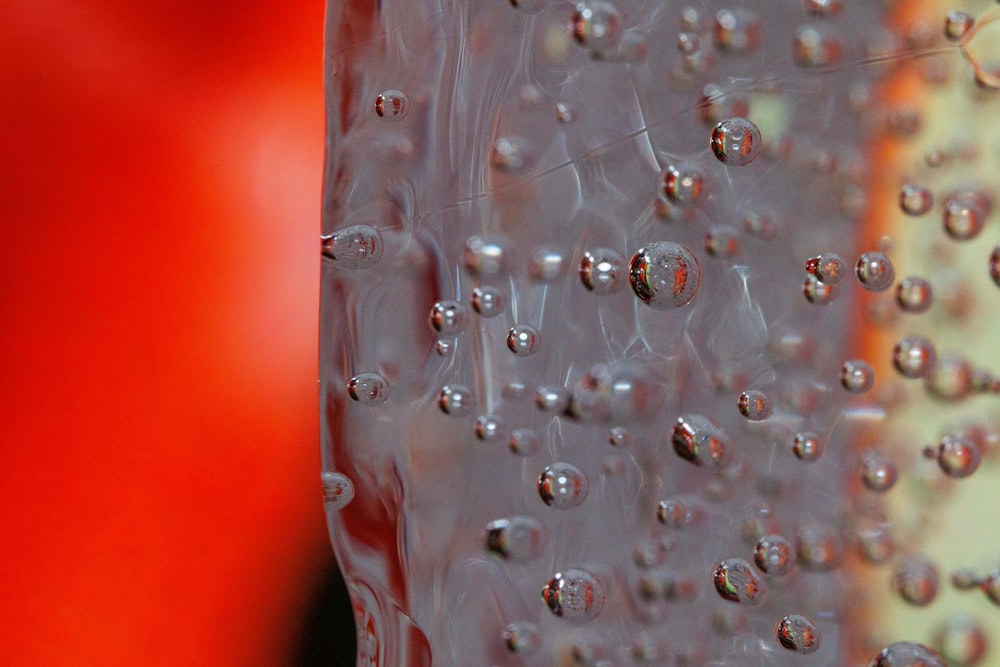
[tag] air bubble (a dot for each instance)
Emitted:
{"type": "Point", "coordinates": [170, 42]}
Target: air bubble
{"type": "Point", "coordinates": [736, 142]}
{"type": "Point", "coordinates": [736, 580]}
{"type": "Point", "coordinates": [523, 340]}
{"type": "Point", "coordinates": [509, 154]}
{"type": "Point", "coordinates": [551, 399]}
{"type": "Point", "coordinates": [914, 356]}
{"type": "Point", "coordinates": [574, 594]}
{"type": "Point", "coordinates": [448, 318]}
{"type": "Point", "coordinates": [524, 442]}
{"type": "Point", "coordinates": [338, 491]}
{"type": "Point", "coordinates": [958, 456]}
{"type": "Point", "coordinates": [688, 43]}
{"type": "Point", "coordinates": [664, 275]}
{"type": "Point", "coordinates": [990, 585]}
{"type": "Point", "coordinates": [755, 405]}
{"type": "Point", "coordinates": [619, 437]}
{"type": "Point", "coordinates": [736, 29]}
{"type": "Point", "coordinates": [489, 428]}
{"type": "Point", "coordinates": [698, 439]}
{"type": "Point", "coordinates": [392, 105]}
{"type": "Point", "coordinates": [798, 634]}
{"type": "Point", "coordinates": [817, 548]}
{"type": "Point", "coordinates": [876, 545]}
{"type": "Point", "coordinates": [915, 199]}
{"type": "Point", "coordinates": [519, 539]}
{"type": "Point", "coordinates": [818, 292]}
{"type": "Point", "coordinates": [857, 376]}
{"type": "Point", "coordinates": [597, 25]}
{"type": "Point", "coordinates": [485, 256]}
{"type": "Point", "coordinates": [816, 46]}
{"type": "Point", "coordinates": [950, 379]}
{"type": "Point", "coordinates": [722, 242]}
{"type": "Point", "coordinates": [487, 301]}
{"type": "Point", "coordinates": [456, 400]}
{"type": "Point", "coordinates": [563, 486]}
{"type": "Point", "coordinates": [914, 295]}
{"type": "Point", "coordinates": [962, 641]}
{"type": "Point", "coordinates": [354, 247]}
{"type": "Point", "coordinates": [443, 347]}
{"type": "Point", "coordinates": [715, 104]}
{"type": "Point", "coordinates": [807, 447]}
{"type": "Point", "coordinates": [957, 25]}
{"type": "Point", "coordinates": [874, 271]}
{"type": "Point", "coordinates": [602, 271]}
{"type": "Point", "coordinates": [368, 389]}
{"type": "Point", "coordinates": [774, 555]}
{"type": "Point", "coordinates": [683, 184]}
{"type": "Point", "coordinates": [545, 266]}
{"type": "Point", "coordinates": [522, 638]}
{"type": "Point", "coordinates": [676, 512]}
{"type": "Point", "coordinates": [828, 268]}
{"type": "Point", "coordinates": [916, 581]}
{"type": "Point", "coordinates": [995, 265]}
{"type": "Point", "coordinates": [877, 472]}
{"type": "Point", "coordinates": [965, 215]}
{"type": "Point", "coordinates": [907, 654]}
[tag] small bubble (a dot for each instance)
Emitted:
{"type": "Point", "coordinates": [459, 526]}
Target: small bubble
{"type": "Point", "coordinates": [807, 446]}
{"type": "Point", "coordinates": [545, 266]}
{"type": "Point", "coordinates": [755, 405]}
{"type": "Point", "coordinates": [489, 428]}
{"type": "Point", "coordinates": [817, 548]}
{"type": "Point", "coordinates": [818, 292]}
{"type": "Point", "coordinates": [691, 19]}
{"type": "Point", "coordinates": [448, 318]}
{"type": "Point", "coordinates": [523, 340]}
{"type": "Point", "coordinates": [964, 579]}
{"type": "Point", "coordinates": [524, 442]}
{"type": "Point", "coordinates": [736, 580]}
{"type": "Point", "coordinates": [522, 638]}
{"type": "Point", "coordinates": [456, 400]}
{"type": "Point", "coordinates": [914, 356]}
{"type": "Point", "coordinates": [816, 46]}
{"type": "Point", "coordinates": [950, 379]}
{"type": "Point", "coordinates": [876, 544]}
{"type": "Point", "coordinates": [619, 437]}
{"type": "Point", "coordinates": [877, 472]}
{"type": "Point", "coordinates": [574, 594]}
{"type": "Point", "coordinates": [935, 157]}
{"type": "Point", "coordinates": [722, 242]}
{"type": "Point", "coordinates": [664, 275]}
{"type": "Point", "coordinates": [519, 539]}
{"type": "Point", "coordinates": [487, 301]}
{"type": "Point", "coordinates": [774, 555]}
{"type": "Point", "coordinates": [957, 25]}
{"type": "Point", "coordinates": [509, 154]}
{"type": "Point", "coordinates": [798, 633]}
{"type": "Point", "coordinates": [990, 585]}
{"type": "Point", "coordinates": [676, 512]}
{"type": "Point", "coordinates": [354, 247]}
{"type": "Point", "coordinates": [915, 199]}
{"type": "Point", "coordinates": [565, 113]}
{"type": "Point", "coordinates": [443, 347]}
{"type": "Point", "coordinates": [715, 104]}
{"type": "Point", "coordinates": [597, 25]}
{"type": "Point", "coordinates": [995, 265]}
{"type": "Point", "coordinates": [874, 271]}
{"type": "Point", "coordinates": [907, 654]}
{"type": "Point", "coordinates": [736, 142]}
{"type": "Point", "coordinates": [338, 490]}
{"type": "Point", "coordinates": [698, 439]}
{"type": "Point", "coordinates": [829, 268]}
{"type": "Point", "coordinates": [368, 389]}
{"type": "Point", "coordinates": [958, 456]}
{"type": "Point", "coordinates": [485, 256]}
{"type": "Point", "coordinates": [916, 581]}
{"type": "Point", "coordinates": [392, 105]}
{"type": "Point", "coordinates": [736, 29]}
{"type": "Point", "coordinates": [563, 486]}
{"type": "Point", "coordinates": [857, 376]}
{"type": "Point", "coordinates": [551, 399]}
{"type": "Point", "coordinates": [965, 215]}
{"type": "Point", "coordinates": [688, 43]}
{"type": "Point", "coordinates": [602, 271]}
{"type": "Point", "coordinates": [914, 295]}
{"type": "Point", "coordinates": [962, 641]}
{"type": "Point", "coordinates": [823, 8]}
{"type": "Point", "coordinates": [761, 226]}
{"type": "Point", "coordinates": [683, 184]}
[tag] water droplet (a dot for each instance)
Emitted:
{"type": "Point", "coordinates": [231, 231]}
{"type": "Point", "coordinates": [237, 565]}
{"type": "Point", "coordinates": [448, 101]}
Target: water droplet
{"type": "Point", "coordinates": [736, 29]}
{"type": "Point", "coordinates": [961, 641]}
{"type": "Point", "coordinates": [597, 25]}
{"type": "Point", "coordinates": [817, 46]}
{"type": "Point", "coordinates": [574, 594]}
{"type": "Point", "coordinates": [392, 105]}
{"type": "Point", "coordinates": [914, 356]}
{"type": "Point", "coordinates": [736, 142]}
{"type": "Point", "coordinates": [519, 539]}
{"type": "Point", "coordinates": [817, 548]}
{"type": "Point", "coordinates": [563, 486]}
{"type": "Point", "coordinates": [354, 247]}
{"type": "Point", "coordinates": [602, 271]}
{"type": "Point", "coordinates": [664, 275]}
{"type": "Point", "coordinates": [857, 376]}
{"type": "Point", "coordinates": [755, 405]}
{"type": "Point", "coordinates": [676, 512]}
{"type": "Point", "coordinates": [907, 654]}
{"type": "Point", "coordinates": [487, 301]}
{"type": "Point", "coordinates": [489, 428]}
{"type": "Point", "coordinates": [524, 442]}
{"type": "Point", "coordinates": [456, 399]}
{"type": "Point", "coordinates": [698, 439]}
{"type": "Point", "coordinates": [957, 25]}
{"type": "Point", "coordinates": [338, 490]}
{"type": "Point", "coordinates": [736, 580]}
{"type": "Point", "coordinates": [823, 8]}
{"type": "Point", "coordinates": [774, 555]}
{"type": "Point", "coordinates": [958, 456]}
{"type": "Point", "coordinates": [368, 389]}
{"type": "Point", "coordinates": [448, 317]}
{"type": "Point", "coordinates": [916, 581]}
{"type": "Point", "coordinates": [798, 633]}
{"type": "Point", "coordinates": [874, 271]}
{"type": "Point", "coordinates": [523, 340]}
{"type": "Point", "coordinates": [965, 214]}
{"type": "Point", "coordinates": [995, 265]}
{"type": "Point", "coordinates": [683, 184]}
{"type": "Point", "coordinates": [485, 256]}
{"type": "Point", "coordinates": [950, 379]}
{"type": "Point", "coordinates": [828, 267]}
{"type": "Point", "coordinates": [914, 295]}
{"type": "Point", "coordinates": [807, 446]}
{"type": "Point", "coordinates": [522, 638]}
{"type": "Point", "coordinates": [818, 292]}
{"type": "Point", "coordinates": [877, 472]}
{"type": "Point", "coordinates": [915, 199]}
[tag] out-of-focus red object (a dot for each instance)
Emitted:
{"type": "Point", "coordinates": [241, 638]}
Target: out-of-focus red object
{"type": "Point", "coordinates": [159, 191]}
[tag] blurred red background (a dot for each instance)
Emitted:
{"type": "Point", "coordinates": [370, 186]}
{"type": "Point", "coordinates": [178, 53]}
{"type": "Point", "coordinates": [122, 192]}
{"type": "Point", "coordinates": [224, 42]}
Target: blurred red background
{"type": "Point", "coordinates": [160, 195]}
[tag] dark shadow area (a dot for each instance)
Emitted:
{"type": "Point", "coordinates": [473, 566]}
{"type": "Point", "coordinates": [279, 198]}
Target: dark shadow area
{"type": "Point", "coordinates": [327, 637]}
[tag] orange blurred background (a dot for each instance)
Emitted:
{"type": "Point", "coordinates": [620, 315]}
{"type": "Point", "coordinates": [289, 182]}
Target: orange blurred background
{"type": "Point", "coordinates": [160, 194]}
